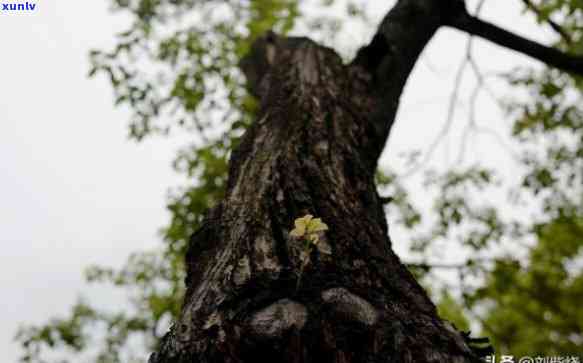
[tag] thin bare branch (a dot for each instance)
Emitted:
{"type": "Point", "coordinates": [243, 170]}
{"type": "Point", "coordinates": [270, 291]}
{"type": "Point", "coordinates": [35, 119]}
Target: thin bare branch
{"type": "Point", "coordinates": [468, 59]}
{"type": "Point", "coordinates": [450, 111]}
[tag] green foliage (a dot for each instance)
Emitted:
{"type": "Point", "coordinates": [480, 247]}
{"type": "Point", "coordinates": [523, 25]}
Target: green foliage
{"type": "Point", "coordinates": [176, 69]}
{"type": "Point", "coordinates": [532, 305]}
{"type": "Point", "coordinates": [451, 310]}
{"type": "Point", "coordinates": [398, 202]}
{"type": "Point", "coordinates": [76, 332]}
{"type": "Point", "coordinates": [521, 279]}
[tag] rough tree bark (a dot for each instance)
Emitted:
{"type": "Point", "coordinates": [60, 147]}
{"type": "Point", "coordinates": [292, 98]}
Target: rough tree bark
{"type": "Point", "coordinates": [313, 150]}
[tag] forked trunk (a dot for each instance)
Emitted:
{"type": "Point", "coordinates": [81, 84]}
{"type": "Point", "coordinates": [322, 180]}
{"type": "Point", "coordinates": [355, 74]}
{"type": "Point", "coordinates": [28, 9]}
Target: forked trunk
{"type": "Point", "coordinates": [312, 150]}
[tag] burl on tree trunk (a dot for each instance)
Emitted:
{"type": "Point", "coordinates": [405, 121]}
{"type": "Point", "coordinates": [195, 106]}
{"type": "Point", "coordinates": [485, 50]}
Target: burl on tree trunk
{"type": "Point", "coordinates": [313, 150]}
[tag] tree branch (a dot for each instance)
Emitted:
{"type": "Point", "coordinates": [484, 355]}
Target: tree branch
{"type": "Point", "coordinates": [392, 54]}
{"type": "Point", "coordinates": [505, 38]}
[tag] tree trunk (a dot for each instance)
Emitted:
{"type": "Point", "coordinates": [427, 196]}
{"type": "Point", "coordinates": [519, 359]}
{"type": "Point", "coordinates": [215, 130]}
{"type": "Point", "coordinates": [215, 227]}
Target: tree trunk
{"type": "Point", "coordinates": [313, 150]}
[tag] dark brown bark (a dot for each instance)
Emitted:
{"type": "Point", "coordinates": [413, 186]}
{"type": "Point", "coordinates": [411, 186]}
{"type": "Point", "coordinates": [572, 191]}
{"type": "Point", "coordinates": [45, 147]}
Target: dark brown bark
{"type": "Point", "coordinates": [313, 150]}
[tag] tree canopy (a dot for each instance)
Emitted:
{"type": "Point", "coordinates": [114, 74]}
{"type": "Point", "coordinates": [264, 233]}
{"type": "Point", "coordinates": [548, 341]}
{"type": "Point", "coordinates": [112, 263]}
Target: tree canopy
{"type": "Point", "coordinates": [177, 69]}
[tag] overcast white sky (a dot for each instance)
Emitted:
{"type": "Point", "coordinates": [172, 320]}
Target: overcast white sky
{"type": "Point", "coordinates": [74, 191]}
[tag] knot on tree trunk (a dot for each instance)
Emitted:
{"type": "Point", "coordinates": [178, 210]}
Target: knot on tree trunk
{"type": "Point", "coordinates": [349, 307]}
{"type": "Point", "coordinates": [277, 319]}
